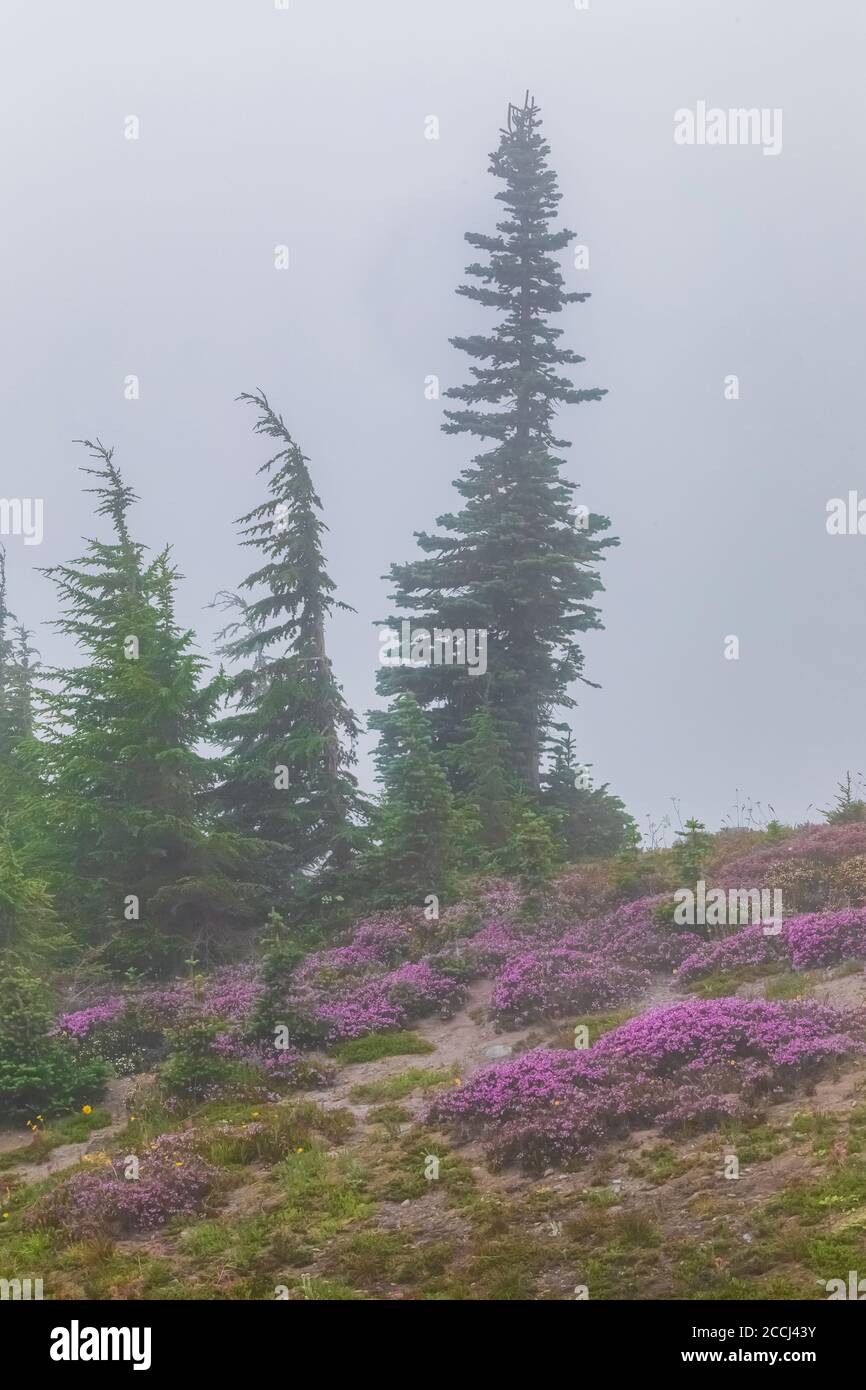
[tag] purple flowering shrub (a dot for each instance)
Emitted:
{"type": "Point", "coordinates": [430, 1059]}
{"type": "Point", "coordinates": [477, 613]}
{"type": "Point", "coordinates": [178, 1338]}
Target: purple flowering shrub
{"type": "Point", "coordinates": [808, 941]}
{"type": "Point", "coordinates": [417, 988]}
{"type": "Point", "coordinates": [694, 1061]}
{"type": "Point", "coordinates": [395, 968]}
{"type": "Point", "coordinates": [815, 844]}
{"type": "Point", "coordinates": [751, 947]}
{"type": "Point", "coordinates": [818, 867]}
{"type": "Point", "coordinates": [378, 1004]}
{"type": "Point", "coordinates": [696, 1033]}
{"type": "Point", "coordinates": [636, 934]}
{"type": "Point", "coordinates": [557, 980]}
{"type": "Point", "coordinates": [83, 1022]}
{"type": "Point", "coordinates": [129, 1029]}
{"type": "Point", "coordinates": [173, 1181]}
{"type": "Point", "coordinates": [826, 938]}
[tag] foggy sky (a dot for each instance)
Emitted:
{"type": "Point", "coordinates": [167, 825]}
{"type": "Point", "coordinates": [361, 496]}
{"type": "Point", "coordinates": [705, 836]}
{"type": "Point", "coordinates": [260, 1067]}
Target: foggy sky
{"type": "Point", "coordinates": [305, 127]}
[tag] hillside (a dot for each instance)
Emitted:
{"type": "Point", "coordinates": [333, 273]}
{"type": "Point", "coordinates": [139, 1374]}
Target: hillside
{"type": "Point", "coordinates": [411, 1113]}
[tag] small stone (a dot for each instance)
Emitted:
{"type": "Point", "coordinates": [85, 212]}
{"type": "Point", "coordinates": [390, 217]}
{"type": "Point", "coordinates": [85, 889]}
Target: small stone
{"type": "Point", "coordinates": [498, 1050]}
{"type": "Point", "coordinates": [407, 1203]}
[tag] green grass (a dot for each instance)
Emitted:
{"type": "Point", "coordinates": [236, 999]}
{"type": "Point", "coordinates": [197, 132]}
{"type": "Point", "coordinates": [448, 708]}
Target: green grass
{"type": "Point", "coordinates": [597, 1024]}
{"type": "Point", "coordinates": [658, 1164]}
{"type": "Point", "coordinates": [721, 984]}
{"type": "Point", "coordinates": [269, 1132]}
{"type": "Point", "coordinates": [375, 1045]}
{"type": "Point", "coordinates": [837, 1193]}
{"type": "Point", "coordinates": [817, 1125]}
{"type": "Point", "coordinates": [70, 1129]}
{"type": "Point", "coordinates": [324, 1290]}
{"type": "Point", "coordinates": [792, 984]}
{"type": "Point", "coordinates": [752, 1143]}
{"type": "Point", "coordinates": [398, 1166]}
{"type": "Point", "coordinates": [847, 967]}
{"type": "Point", "coordinates": [320, 1195]}
{"type": "Point", "coordinates": [403, 1083]}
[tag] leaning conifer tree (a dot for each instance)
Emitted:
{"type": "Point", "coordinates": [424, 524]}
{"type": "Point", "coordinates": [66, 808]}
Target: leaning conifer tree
{"type": "Point", "coordinates": [290, 736]}
{"type": "Point", "coordinates": [516, 560]}
{"type": "Point", "coordinates": [125, 838]}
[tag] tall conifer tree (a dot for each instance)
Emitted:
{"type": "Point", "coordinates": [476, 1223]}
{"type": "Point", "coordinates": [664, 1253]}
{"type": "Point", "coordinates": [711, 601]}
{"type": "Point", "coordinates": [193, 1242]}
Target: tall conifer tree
{"type": "Point", "coordinates": [125, 836]}
{"type": "Point", "coordinates": [290, 737]}
{"type": "Point", "coordinates": [516, 559]}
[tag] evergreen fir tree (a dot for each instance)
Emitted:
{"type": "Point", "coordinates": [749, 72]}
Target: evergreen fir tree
{"type": "Point", "coordinates": [516, 560]}
{"type": "Point", "coordinates": [30, 931]}
{"type": "Point", "coordinates": [290, 736]}
{"type": "Point", "coordinates": [488, 803]}
{"type": "Point", "coordinates": [16, 676]}
{"type": "Point", "coordinates": [691, 849]}
{"type": "Point", "coordinates": [19, 785]}
{"type": "Point", "coordinates": [848, 807]}
{"type": "Point", "coordinates": [414, 830]}
{"type": "Point", "coordinates": [593, 823]}
{"type": "Point", "coordinates": [124, 835]}
{"type": "Point", "coordinates": [531, 856]}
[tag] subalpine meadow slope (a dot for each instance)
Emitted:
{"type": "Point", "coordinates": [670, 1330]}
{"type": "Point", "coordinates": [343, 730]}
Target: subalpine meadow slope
{"type": "Point", "coordinates": [582, 1100]}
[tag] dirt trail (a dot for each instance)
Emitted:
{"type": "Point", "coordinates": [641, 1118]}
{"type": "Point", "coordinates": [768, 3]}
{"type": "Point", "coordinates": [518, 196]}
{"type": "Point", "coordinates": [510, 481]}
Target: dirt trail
{"type": "Point", "coordinates": [461, 1041]}
{"type": "Point", "coordinates": [467, 1041]}
{"type": "Point", "coordinates": [65, 1155]}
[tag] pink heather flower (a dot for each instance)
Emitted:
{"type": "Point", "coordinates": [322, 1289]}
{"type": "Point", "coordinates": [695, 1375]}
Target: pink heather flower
{"type": "Point", "coordinates": [695, 1061]}
{"type": "Point", "coordinates": [806, 942]}
{"type": "Point", "coordinates": [83, 1021]}
{"type": "Point", "coordinates": [173, 1181]}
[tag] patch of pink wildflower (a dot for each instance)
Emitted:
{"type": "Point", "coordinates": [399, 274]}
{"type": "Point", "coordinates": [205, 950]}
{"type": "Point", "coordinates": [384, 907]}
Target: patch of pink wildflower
{"type": "Point", "coordinates": [695, 1061]}
{"type": "Point", "coordinates": [751, 947]}
{"type": "Point", "coordinates": [556, 980]}
{"type": "Point", "coordinates": [826, 938]}
{"type": "Point", "coordinates": [173, 1181]}
{"type": "Point", "coordinates": [806, 942]}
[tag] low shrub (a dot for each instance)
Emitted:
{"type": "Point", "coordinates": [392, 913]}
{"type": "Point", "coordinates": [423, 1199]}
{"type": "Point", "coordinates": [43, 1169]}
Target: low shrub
{"type": "Point", "coordinates": [173, 1181]}
{"type": "Point", "coordinates": [693, 1062]}
{"type": "Point", "coordinates": [39, 1073]}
